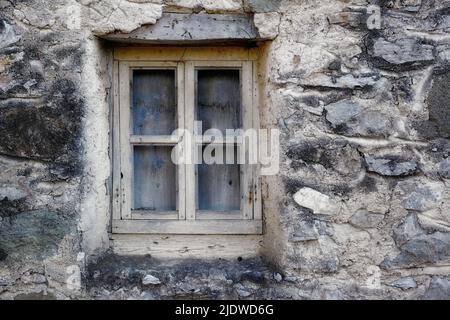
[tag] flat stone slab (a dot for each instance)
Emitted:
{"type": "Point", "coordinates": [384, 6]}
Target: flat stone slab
{"type": "Point", "coordinates": [180, 27]}
{"type": "Point", "coordinates": [318, 202]}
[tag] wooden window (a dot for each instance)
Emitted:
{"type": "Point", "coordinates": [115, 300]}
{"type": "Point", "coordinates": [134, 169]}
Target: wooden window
{"type": "Point", "coordinates": [157, 90]}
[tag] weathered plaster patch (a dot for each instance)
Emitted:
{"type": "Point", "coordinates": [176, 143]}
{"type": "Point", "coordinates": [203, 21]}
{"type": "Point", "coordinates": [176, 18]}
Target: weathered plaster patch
{"type": "Point", "coordinates": [7, 34]}
{"type": "Point", "coordinates": [108, 16]}
{"type": "Point", "coordinates": [95, 206]}
{"type": "Point", "coordinates": [267, 24]}
{"type": "Point", "coordinates": [210, 6]}
{"type": "Point", "coordinates": [33, 235]}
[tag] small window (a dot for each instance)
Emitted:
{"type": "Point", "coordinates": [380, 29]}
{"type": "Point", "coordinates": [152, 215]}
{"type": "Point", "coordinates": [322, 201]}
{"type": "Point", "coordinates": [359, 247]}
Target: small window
{"type": "Point", "coordinates": [159, 90]}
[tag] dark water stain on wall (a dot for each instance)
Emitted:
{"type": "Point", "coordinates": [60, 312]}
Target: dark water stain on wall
{"type": "Point", "coordinates": [439, 103]}
{"type": "Point", "coordinates": [34, 235]}
{"type": "Point", "coordinates": [35, 296]}
{"type": "Point", "coordinates": [47, 132]}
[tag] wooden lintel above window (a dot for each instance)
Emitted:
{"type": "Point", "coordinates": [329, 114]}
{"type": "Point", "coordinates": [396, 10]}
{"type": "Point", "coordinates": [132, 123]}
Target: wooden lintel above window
{"type": "Point", "coordinates": [181, 28]}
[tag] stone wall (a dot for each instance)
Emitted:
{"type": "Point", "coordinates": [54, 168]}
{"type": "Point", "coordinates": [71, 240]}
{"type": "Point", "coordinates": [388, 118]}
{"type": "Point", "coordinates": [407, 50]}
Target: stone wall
{"type": "Point", "coordinates": [364, 114]}
{"type": "Point", "coordinates": [360, 208]}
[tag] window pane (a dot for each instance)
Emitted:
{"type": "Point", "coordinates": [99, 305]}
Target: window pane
{"type": "Point", "coordinates": [219, 186]}
{"type": "Point", "coordinates": [218, 99]}
{"type": "Point", "coordinates": [154, 179]}
{"type": "Point", "coordinates": [154, 102]}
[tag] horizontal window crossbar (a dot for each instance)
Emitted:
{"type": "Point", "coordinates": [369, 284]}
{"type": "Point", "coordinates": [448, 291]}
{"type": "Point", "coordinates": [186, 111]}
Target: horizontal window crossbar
{"type": "Point", "coordinates": [155, 140]}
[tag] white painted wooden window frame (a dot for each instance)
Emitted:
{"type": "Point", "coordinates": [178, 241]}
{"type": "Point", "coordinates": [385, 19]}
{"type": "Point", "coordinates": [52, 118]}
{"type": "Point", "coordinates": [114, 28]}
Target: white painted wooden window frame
{"type": "Point", "coordinates": [186, 220]}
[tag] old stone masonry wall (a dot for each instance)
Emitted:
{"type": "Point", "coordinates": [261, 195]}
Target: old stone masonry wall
{"type": "Point", "coordinates": [360, 91]}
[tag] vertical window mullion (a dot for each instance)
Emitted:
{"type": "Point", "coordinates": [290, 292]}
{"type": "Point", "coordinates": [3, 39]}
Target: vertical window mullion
{"type": "Point", "coordinates": [126, 159]}
{"type": "Point", "coordinates": [116, 145]}
{"type": "Point", "coordinates": [180, 74]}
{"type": "Point", "coordinates": [189, 125]}
{"type": "Point", "coordinates": [257, 200]}
{"type": "Point", "coordinates": [247, 119]}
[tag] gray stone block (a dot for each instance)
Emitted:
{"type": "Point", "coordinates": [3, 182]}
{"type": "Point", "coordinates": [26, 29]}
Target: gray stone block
{"type": "Point", "coordinates": [444, 168]}
{"type": "Point", "coordinates": [402, 51]}
{"type": "Point", "coordinates": [404, 283]}
{"type": "Point", "coordinates": [391, 167]}
{"type": "Point", "coordinates": [365, 219]}
{"type": "Point", "coordinates": [341, 112]}
{"type": "Point", "coordinates": [439, 289]}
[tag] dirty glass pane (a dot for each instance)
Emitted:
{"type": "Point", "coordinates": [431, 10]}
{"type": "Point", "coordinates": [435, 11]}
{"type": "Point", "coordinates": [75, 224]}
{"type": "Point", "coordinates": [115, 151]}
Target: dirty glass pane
{"type": "Point", "coordinates": [154, 109]}
{"type": "Point", "coordinates": [218, 99]}
{"type": "Point", "coordinates": [154, 179]}
{"type": "Point", "coordinates": [218, 186]}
